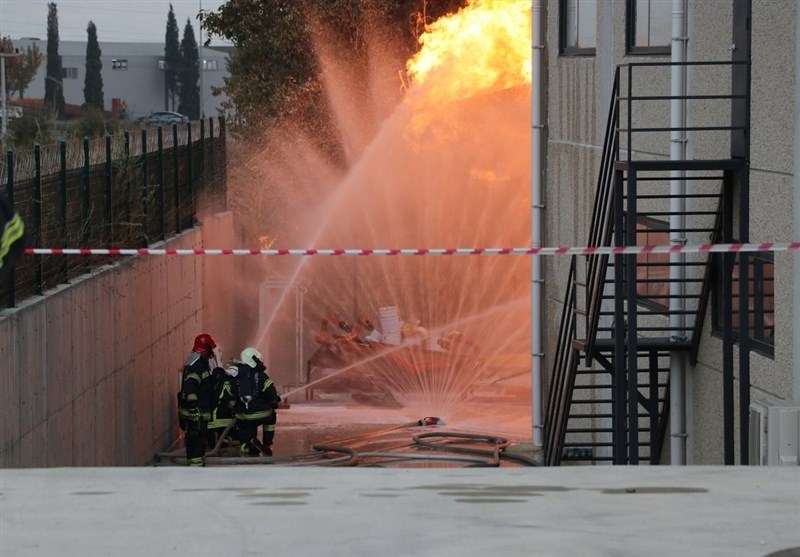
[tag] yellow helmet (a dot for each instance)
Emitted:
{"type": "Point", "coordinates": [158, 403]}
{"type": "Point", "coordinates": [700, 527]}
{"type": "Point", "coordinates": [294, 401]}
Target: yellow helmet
{"type": "Point", "coordinates": [251, 357]}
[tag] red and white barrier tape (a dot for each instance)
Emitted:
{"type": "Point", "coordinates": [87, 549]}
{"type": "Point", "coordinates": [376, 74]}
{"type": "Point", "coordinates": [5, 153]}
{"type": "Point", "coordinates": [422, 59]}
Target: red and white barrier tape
{"type": "Point", "coordinates": [563, 250]}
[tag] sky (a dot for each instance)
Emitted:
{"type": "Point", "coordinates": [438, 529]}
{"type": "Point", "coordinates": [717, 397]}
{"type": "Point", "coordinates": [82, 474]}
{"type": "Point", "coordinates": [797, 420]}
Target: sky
{"type": "Point", "coordinates": [116, 20]}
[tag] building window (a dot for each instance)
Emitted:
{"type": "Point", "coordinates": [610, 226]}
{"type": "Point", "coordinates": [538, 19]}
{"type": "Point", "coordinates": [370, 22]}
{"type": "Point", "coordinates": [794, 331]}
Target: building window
{"type": "Point", "coordinates": [162, 64]}
{"type": "Point", "coordinates": [760, 302]}
{"type": "Point", "coordinates": [578, 19]}
{"type": "Point", "coordinates": [210, 65]}
{"type": "Point", "coordinates": [649, 26]}
{"type": "Point", "coordinates": [119, 64]}
{"type": "Point", "coordinates": [652, 269]}
{"type": "Point", "coordinates": [69, 73]}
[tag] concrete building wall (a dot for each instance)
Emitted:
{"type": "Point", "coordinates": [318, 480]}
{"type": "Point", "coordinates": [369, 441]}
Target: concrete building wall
{"type": "Point", "coordinates": [577, 97]}
{"type": "Point", "coordinates": [89, 371]}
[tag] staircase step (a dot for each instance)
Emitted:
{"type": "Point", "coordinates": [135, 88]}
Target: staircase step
{"type": "Point", "coordinates": [647, 344]}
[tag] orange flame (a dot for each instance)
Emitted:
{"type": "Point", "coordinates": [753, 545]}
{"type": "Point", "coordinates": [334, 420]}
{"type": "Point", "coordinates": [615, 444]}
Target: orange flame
{"type": "Point", "coordinates": [485, 46]}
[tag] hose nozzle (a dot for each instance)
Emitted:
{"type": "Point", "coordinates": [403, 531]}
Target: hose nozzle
{"type": "Point", "coordinates": [430, 421]}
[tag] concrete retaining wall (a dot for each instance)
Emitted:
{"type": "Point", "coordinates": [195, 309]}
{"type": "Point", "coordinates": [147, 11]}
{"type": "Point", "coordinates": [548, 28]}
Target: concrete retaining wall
{"type": "Point", "coordinates": [89, 371]}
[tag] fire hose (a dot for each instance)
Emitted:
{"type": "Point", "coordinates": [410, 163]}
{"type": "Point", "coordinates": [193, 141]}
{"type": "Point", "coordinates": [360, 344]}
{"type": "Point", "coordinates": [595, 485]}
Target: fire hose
{"type": "Point", "coordinates": [351, 457]}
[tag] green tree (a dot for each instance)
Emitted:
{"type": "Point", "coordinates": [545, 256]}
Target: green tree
{"type": "Point", "coordinates": [189, 75]}
{"type": "Point", "coordinates": [20, 70]}
{"type": "Point", "coordinates": [274, 70]}
{"type": "Point", "coordinates": [53, 86]}
{"type": "Point", "coordinates": [172, 59]}
{"type": "Point", "coordinates": [93, 82]}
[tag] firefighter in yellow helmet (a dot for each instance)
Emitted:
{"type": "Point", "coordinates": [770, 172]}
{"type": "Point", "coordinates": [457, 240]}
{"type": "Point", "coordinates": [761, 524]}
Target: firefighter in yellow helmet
{"type": "Point", "coordinates": [258, 399]}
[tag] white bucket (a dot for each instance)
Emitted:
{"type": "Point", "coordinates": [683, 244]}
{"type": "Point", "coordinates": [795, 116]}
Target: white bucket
{"type": "Point", "coordinates": [390, 324]}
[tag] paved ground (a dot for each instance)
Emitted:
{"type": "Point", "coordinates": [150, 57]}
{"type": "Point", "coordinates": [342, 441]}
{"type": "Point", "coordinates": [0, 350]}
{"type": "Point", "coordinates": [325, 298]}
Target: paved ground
{"type": "Point", "coordinates": [316, 511]}
{"type": "Point", "coordinates": [320, 511]}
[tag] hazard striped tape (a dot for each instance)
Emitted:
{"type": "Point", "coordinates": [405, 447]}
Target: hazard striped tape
{"type": "Point", "coordinates": [563, 250]}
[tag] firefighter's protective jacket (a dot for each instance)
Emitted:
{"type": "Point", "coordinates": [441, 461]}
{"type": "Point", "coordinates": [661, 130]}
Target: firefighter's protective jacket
{"type": "Point", "coordinates": [265, 398]}
{"type": "Point", "coordinates": [12, 234]}
{"type": "Point", "coordinates": [194, 398]}
{"type": "Point", "coordinates": [223, 399]}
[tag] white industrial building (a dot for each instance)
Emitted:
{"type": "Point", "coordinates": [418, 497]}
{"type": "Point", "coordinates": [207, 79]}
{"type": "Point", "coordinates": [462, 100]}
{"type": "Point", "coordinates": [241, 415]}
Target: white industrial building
{"type": "Point", "coordinates": [133, 74]}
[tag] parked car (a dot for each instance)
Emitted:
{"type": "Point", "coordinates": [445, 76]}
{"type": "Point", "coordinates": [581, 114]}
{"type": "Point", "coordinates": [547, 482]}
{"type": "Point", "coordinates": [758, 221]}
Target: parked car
{"type": "Point", "coordinates": [166, 117]}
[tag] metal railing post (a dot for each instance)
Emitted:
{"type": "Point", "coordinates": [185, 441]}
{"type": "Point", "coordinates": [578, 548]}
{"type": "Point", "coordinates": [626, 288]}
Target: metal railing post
{"type": "Point", "coordinates": [86, 202]}
{"type": "Point", "coordinates": [145, 232]}
{"type": "Point", "coordinates": [176, 178]}
{"type": "Point", "coordinates": [10, 194]}
{"type": "Point", "coordinates": [109, 209]}
{"type": "Point", "coordinates": [161, 192]}
{"type": "Point", "coordinates": [189, 173]}
{"type": "Point", "coordinates": [37, 216]}
{"type": "Point", "coordinates": [62, 180]}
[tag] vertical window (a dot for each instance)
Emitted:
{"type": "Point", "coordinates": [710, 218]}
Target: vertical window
{"type": "Point", "coordinates": [760, 302]}
{"type": "Point", "coordinates": [578, 20]}
{"type": "Point", "coordinates": [652, 269]}
{"type": "Point", "coordinates": [649, 26]}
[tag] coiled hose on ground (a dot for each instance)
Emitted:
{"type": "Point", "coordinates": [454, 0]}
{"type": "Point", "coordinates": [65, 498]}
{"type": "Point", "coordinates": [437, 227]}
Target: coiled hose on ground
{"type": "Point", "coordinates": [321, 455]}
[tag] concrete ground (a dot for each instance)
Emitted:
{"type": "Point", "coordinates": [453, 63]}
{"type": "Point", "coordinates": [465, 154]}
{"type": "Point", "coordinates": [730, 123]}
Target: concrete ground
{"type": "Point", "coordinates": [318, 511]}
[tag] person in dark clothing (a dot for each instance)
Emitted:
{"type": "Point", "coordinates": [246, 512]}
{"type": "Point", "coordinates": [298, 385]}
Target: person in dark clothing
{"type": "Point", "coordinates": [258, 399]}
{"type": "Point", "coordinates": [224, 395]}
{"type": "Point", "coordinates": [12, 235]}
{"type": "Point", "coordinates": [194, 398]}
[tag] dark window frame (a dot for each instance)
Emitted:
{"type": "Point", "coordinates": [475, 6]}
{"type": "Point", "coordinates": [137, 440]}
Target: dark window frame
{"type": "Point", "coordinates": [648, 299]}
{"type": "Point", "coordinates": [563, 48]}
{"type": "Point", "coordinates": [761, 343]}
{"type": "Point", "coordinates": [630, 35]}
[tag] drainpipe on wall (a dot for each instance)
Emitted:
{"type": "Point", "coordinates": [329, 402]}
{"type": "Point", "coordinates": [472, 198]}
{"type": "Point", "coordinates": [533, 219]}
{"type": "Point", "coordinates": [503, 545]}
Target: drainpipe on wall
{"type": "Point", "coordinates": [537, 279]}
{"type": "Point", "coordinates": [677, 225]}
{"type": "Point", "coordinates": [796, 224]}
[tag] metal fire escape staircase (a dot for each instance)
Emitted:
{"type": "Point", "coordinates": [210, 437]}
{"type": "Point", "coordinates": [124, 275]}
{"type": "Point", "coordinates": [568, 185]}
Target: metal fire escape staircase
{"type": "Point", "coordinates": [608, 395]}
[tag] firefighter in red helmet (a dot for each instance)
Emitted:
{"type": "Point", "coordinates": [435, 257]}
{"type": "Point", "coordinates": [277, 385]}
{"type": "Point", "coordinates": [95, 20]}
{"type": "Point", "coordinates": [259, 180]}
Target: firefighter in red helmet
{"type": "Point", "coordinates": [194, 398]}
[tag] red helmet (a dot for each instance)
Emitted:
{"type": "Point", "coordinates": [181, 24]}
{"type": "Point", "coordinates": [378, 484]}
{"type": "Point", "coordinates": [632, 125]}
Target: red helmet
{"type": "Point", "coordinates": [204, 345]}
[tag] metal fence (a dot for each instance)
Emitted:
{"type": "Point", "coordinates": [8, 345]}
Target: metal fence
{"type": "Point", "coordinates": [127, 190]}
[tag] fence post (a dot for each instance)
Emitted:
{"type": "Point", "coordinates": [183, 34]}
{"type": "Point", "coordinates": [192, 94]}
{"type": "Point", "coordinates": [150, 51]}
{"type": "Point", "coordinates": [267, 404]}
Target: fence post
{"type": "Point", "coordinates": [161, 196]}
{"type": "Point", "coordinates": [37, 215]}
{"type": "Point", "coordinates": [86, 205]}
{"type": "Point", "coordinates": [189, 173]}
{"type": "Point", "coordinates": [62, 180]}
{"type": "Point", "coordinates": [176, 178]}
{"type": "Point", "coordinates": [211, 162]}
{"type": "Point", "coordinates": [10, 194]}
{"type": "Point", "coordinates": [223, 140]}
{"type": "Point", "coordinates": [128, 200]}
{"type": "Point", "coordinates": [144, 187]}
{"type": "Point", "coordinates": [109, 235]}
{"type": "Point", "coordinates": [203, 156]}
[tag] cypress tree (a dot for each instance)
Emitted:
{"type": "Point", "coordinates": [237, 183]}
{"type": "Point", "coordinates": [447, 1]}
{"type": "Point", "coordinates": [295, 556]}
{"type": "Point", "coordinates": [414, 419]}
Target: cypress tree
{"type": "Point", "coordinates": [189, 75]}
{"type": "Point", "coordinates": [53, 85]}
{"type": "Point", "coordinates": [93, 82]}
{"type": "Point", "coordinates": [172, 59]}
